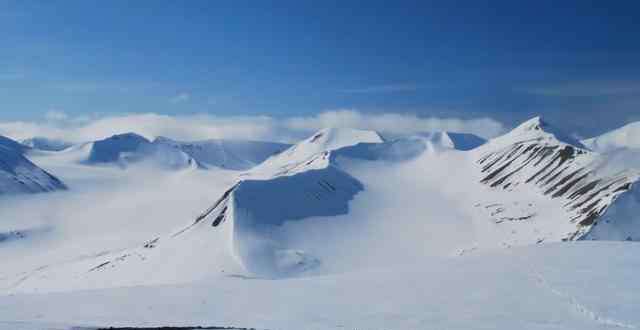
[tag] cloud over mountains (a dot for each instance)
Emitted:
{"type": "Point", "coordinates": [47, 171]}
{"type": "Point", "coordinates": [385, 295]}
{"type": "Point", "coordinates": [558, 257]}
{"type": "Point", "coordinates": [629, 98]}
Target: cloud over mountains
{"type": "Point", "coordinates": [207, 126]}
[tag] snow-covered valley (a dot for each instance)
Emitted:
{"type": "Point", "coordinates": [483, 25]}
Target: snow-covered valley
{"type": "Point", "coordinates": [344, 230]}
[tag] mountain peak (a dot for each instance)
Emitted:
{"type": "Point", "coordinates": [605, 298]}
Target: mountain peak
{"type": "Point", "coordinates": [534, 124]}
{"type": "Point", "coordinates": [537, 128]}
{"type": "Point", "coordinates": [335, 138]}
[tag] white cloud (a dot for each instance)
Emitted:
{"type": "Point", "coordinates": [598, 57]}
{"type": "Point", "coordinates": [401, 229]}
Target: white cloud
{"type": "Point", "coordinates": [205, 126]}
{"type": "Point", "coordinates": [393, 123]}
{"type": "Point", "coordinates": [181, 98]}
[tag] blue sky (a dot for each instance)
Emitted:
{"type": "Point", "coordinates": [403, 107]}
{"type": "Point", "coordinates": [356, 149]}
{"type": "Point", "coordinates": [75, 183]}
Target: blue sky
{"type": "Point", "coordinates": [576, 63]}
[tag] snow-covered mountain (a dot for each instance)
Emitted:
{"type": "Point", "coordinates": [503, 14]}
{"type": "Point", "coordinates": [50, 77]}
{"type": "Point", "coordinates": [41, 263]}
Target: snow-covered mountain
{"type": "Point", "coordinates": [19, 175]}
{"type": "Point", "coordinates": [534, 156]}
{"type": "Point", "coordinates": [539, 185]}
{"type": "Point", "coordinates": [627, 136]}
{"type": "Point", "coordinates": [228, 154]}
{"type": "Point", "coordinates": [46, 144]}
{"type": "Point", "coordinates": [125, 149]}
{"type": "Point", "coordinates": [338, 214]}
{"type": "Point", "coordinates": [130, 148]}
{"type": "Point", "coordinates": [342, 200]}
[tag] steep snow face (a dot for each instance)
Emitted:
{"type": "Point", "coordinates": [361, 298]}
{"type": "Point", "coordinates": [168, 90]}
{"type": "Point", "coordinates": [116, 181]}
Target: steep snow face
{"type": "Point", "coordinates": [301, 182]}
{"type": "Point", "coordinates": [19, 175]}
{"type": "Point", "coordinates": [531, 157]}
{"type": "Point", "coordinates": [227, 154]}
{"type": "Point", "coordinates": [46, 144]}
{"type": "Point", "coordinates": [627, 136]}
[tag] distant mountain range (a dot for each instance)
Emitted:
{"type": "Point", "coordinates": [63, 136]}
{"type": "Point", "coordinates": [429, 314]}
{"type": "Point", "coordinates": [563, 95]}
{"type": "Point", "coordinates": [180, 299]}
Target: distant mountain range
{"type": "Point", "coordinates": [532, 185]}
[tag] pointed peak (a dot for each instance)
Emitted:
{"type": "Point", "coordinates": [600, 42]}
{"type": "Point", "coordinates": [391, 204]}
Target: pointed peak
{"type": "Point", "coordinates": [538, 128]}
{"type": "Point", "coordinates": [534, 124]}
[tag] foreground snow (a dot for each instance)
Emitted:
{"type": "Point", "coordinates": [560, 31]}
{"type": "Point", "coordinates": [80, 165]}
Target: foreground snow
{"type": "Point", "coordinates": [556, 286]}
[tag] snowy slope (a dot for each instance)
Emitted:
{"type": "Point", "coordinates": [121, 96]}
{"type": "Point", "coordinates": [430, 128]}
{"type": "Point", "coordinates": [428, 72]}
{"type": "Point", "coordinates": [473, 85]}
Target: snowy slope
{"type": "Point", "coordinates": [19, 175]}
{"type": "Point", "coordinates": [229, 154]}
{"type": "Point", "coordinates": [583, 285]}
{"type": "Point", "coordinates": [627, 136]}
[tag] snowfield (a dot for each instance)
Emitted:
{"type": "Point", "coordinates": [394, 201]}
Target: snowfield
{"type": "Point", "coordinates": [344, 230]}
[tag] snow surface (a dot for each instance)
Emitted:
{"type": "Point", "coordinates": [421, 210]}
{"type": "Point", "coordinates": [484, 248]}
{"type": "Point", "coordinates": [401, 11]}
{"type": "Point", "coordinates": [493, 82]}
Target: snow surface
{"type": "Point", "coordinates": [556, 286]}
{"type": "Point", "coordinates": [342, 230]}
